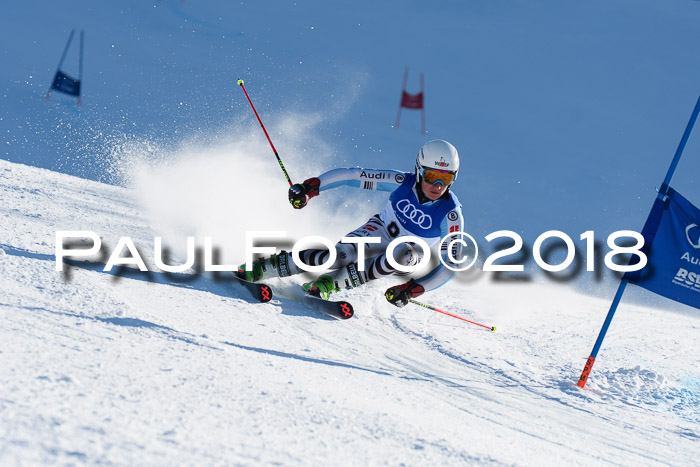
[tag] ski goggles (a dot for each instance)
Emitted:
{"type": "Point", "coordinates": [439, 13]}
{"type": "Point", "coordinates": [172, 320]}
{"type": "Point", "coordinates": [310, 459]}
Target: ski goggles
{"type": "Point", "coordinates": [434, 176]}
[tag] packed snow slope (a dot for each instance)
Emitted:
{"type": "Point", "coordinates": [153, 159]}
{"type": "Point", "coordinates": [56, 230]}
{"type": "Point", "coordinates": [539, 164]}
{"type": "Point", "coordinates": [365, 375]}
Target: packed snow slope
{"type": "Point", "coordinates": [566, 115]}
{"type": "Point", "coordinates": [144, 369]}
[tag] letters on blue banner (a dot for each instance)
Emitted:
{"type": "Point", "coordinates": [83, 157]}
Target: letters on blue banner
{"type": "Point", "coordinates": [672, 243]}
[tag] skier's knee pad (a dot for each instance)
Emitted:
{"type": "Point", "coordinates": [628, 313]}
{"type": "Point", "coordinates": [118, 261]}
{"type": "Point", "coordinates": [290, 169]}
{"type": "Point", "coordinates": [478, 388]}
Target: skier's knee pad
{"type": "Point", "coordinates": [346, 254]}
{"type": "Point", "coordinates": [406, 255]}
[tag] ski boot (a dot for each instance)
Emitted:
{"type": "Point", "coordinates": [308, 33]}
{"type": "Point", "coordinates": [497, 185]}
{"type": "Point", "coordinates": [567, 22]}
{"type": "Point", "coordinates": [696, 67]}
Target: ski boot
{"type": "Point", "coordinates": [322, 287]}
{"type": "Point", "coordinates": [265, 268]}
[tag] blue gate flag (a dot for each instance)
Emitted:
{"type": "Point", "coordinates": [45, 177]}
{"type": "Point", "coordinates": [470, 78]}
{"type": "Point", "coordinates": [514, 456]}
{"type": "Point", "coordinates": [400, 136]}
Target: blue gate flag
{"type": "Point", "coordinates": [65, 84]}
{"type": "Point", "coordinates": [61, 81]}
{"type": "Point", "coordinates": [672, 268]}
{"type": "Point", "coordinates": [672, 244]}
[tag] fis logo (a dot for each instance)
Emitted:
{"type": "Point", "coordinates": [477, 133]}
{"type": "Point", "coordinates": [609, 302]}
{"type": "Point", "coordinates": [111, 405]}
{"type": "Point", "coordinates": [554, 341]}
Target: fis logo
{"type": "Point", "coordinates": [691, 279]}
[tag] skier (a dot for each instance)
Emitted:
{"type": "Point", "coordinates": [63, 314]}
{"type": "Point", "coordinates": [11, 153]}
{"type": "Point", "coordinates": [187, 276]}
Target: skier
{"type": "Point", "coordinates": [421, 204]}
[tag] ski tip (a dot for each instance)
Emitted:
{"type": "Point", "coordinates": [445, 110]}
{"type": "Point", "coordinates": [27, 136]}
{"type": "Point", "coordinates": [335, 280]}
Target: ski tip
{"type": "Point", "coordinates": [346, 309]}
{"type": "Point", "coordinates": [493, 329]}
{"type": "Point", "coordinates": [265, 293]}
{"type": "Point", "coordinates": [240, 82]}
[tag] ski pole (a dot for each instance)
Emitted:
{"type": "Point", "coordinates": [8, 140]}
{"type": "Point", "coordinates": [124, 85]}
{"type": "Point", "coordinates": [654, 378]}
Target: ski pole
{"type": "Point", "coordinates": [279, 161]}
{"type": "Point", "coordinates": [430, 307]}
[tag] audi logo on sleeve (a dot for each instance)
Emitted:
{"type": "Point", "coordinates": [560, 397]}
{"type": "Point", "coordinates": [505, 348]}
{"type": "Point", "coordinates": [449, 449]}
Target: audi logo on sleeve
{"type": "Point", "coordinates": [413, 214]}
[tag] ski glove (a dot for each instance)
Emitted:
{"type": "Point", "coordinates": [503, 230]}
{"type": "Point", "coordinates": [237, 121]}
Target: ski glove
{"type": "Point", "coordinates": [399, 295]}
{"type": "Point", "coordinates": [300, 193]}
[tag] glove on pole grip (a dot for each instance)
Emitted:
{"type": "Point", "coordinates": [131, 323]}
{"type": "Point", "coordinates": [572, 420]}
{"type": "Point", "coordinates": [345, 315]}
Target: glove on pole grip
{"type": "Point", "coordinates": [400, 295]}
{"type": "Point", "coordinates": [299, 194]}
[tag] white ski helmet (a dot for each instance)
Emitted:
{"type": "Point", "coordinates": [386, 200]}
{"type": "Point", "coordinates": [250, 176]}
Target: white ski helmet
{"type": "Point", "coordinates": [437, 154]}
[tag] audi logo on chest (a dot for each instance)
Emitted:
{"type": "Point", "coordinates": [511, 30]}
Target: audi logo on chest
{"type": "Point", "coordinates": [413, 214]}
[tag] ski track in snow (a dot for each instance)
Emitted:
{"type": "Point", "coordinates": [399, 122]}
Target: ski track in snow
{"type": "Point", "coordinates": [140, 369]}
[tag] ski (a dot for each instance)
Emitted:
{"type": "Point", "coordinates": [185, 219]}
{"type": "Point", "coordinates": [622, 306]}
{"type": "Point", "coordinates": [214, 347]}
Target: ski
{"type": "Point", "coordinates": [260, 291]}
{"type": "Point", "coordinates": [339, 309]}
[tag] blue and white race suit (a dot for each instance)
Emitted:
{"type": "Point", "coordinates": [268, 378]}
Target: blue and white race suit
{"type": "Point", "coordinates": [403, 215]}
